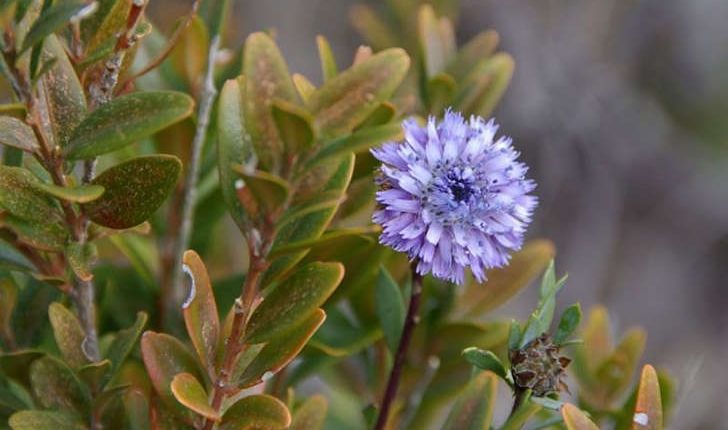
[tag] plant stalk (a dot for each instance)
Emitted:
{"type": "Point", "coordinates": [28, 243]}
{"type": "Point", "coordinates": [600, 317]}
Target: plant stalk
{"type": "Point", "coordinates": [207, 97]}
{"type": "Point", "coordinates": [242, 309]}
{"type": "Point", "coordinates": [83, 298]}
{"type": "Point", "coordinates": [409, 325]}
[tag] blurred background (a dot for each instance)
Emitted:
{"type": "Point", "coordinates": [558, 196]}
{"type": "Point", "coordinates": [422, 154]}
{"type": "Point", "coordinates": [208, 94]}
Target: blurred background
{"type": "Point", "coordinates": [621, 109]}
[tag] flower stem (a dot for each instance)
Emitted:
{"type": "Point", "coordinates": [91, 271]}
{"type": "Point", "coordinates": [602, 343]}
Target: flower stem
{"type": "Point", "coordinates": [409, 325]}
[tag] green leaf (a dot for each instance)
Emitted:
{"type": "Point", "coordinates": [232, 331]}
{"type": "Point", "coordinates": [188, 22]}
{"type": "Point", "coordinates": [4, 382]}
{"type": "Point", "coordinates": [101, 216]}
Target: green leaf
{"type": "Point", "coordinates": [485, 360]}
{"type": "Point", "coordinates": [124, 342]}
{"type": "Point", "coordinates": [454, 373]}
{"type": "Point", "coordinates": [266, 193]}
{"type": "Point", "coordinates": [479, 47]}
{"type": "Point", "coordinates": [93, 375]}
{"type": "Point", "coordinates": [200, 310]}
{"type": "Point", "coordinates": [105, 23]}
{"type": "Point", "coordinates": [615, 374]}
{"type": "Point", "coordinates": [569, 322]}
{"type": "Point", "coordinates": [326, 56]}
{"type": "Point", "coordinates": [15, 133]}
{"type": "Point", "coordinates": [384, 113]}
{"type": "Point", "coordinates": [266, 79]}
{"type": "Point", "coordinates": [164, 357]}
{"type": "Point", "coordinates": [134, 190]}
{"type": "Point", "coordinates": [126, 120]}
{"type": "Point", "coordinates": [331, 237]}
{"type": "Point", "coordinates": [233, 148]}
{"type": "Point", "coordinates": [12, 259]}
{"type": "Point", "coordinates": [524, 411]}
{"type": "Point", "coordinates": [504, 283]}
{"type": "Point", "coordinates": [277, 353]}
{"type": "Point", "coordinates": [668, 388]}
{"type": "Point", "coordinates": [293, 300]}
{"type": "Point", "coordinates": [390, 308]}
{"type": "Point", "coordinates": [575, 419]}
{"type": "Point", "coordinates": [137, 406]}
{"type": "Point", "coordinates": [22, 198]}
{"type": "Point", "coordinates": [514, 335]}
{"type": "Point", "coordinates": [312, 224]}
{"type": "Point", "coordinates": [51, 20]}
{"type": "Point", "coordinates": [294, 127]}
{"type": "Point", "coordinates": [440, 92]}
{"type": "Point", "coordinates": [449, 341]}
{"type": "Point", "coordinates": [69, 334]}
{"type": "Point", "coordinates": [473, 410]}
{"type": "Point", "coordinates": [484, 86]}
{"type": "Point", "coordinates": [57, 387]}
{"type": "Point", "coordinates": [141, 252]}
{"type": "Point", "coordinates": [596, 349]}
{"type": "Point", "coordinates": [259, 411]}
{"type": "Point", "coordinates": [79, 194]}
{"type": "Point", "coordinates": [437, 40]}
{"type": "Point", "coordinates": [188, 390]}
{"type": "Point", "coordinates": [49, 236]}
{"type": "Point", "coordinates": [189, 56]}
{"type": "Point", "coordinates": [375, 31]}
{"type": "Point", "coordinates": [344, 335]}
{"type": "Point", "coordinates": [214, 14]}
{"type": "Point", "coordinates": [43, 420]}
{"type": "Point", "coordinates": [541, 319]}
{"type": "Point", "coordinates": [15, 365]}
{"type": "Point", "coordinates": [12, 157]}
{"type": "Point", "coordinates": [348, 99]}
{"type": "Point", "coordinates": [80, 257]}
{"type": "Point", "coordinates": [311, 415]}
{"type": "Point", "coordinates": [357, 142]}
{"type": "Point", "coordinates": [60, 91]}
{"type": "Point", "coordinates": [304, 87]}
{"type": "Point", "coordinates": [15, 110]}
{"type": "Point", "coordinates": [13, 397]}
{"type": "Point", "coordinates": [548, 403]}
{"type": "Point", "coordinates": [8, 300]}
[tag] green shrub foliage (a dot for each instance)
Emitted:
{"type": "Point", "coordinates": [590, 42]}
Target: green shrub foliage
{"type": "Point", "coordinates": [128, 300]}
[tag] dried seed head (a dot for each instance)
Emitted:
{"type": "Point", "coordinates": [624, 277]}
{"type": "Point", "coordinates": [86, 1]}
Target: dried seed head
{"type": "Point", "coordinates": [539, 367]}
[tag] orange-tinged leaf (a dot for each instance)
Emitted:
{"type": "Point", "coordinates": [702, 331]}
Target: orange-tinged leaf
{"type": "Point", "coordinates": [575, 419]}
{"type": "Point", "coordinates": [648, 411]}
{"type": "Point", "coordinates": [473, 410]}
{"type": "Point", "coordinates": [200, 310]}
{"type": "Point", "coordinates": [68, 333]}
{"type": "Point", "coordinates": [345, 101]}
{"type": "Point", "coordinates": [164, 357]}
{"type": "Point", "coordinates": [615, 374]}
{"type": "Point", "coordinates": [261, 412]}
{"type": "Point", "coordinates": [266, 78]}
{"type": "Point", "coordinates": [188, 390]}
{"type": "Point", "coordinates": [311, 415]}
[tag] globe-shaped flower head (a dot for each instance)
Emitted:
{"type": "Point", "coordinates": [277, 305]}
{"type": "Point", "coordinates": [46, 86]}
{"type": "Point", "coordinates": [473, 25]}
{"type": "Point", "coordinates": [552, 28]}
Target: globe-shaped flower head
{"type": "Point", "coordinates": [453, 197]}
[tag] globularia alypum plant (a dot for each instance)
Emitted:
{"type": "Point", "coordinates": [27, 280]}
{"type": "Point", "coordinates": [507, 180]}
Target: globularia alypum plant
{"type": "Point", "coordinates": [126, 151]}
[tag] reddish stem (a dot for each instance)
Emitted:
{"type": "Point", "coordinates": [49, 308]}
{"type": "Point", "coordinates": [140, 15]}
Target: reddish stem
{"type": "Point", "coordinates": [409, 325]}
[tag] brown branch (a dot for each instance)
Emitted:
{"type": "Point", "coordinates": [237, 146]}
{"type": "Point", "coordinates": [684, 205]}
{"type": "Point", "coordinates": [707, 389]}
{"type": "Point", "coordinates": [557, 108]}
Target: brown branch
{"type": "Point", "coordinates": [156, 61]}
{"type": "Point", "coordinates": [409, 325]}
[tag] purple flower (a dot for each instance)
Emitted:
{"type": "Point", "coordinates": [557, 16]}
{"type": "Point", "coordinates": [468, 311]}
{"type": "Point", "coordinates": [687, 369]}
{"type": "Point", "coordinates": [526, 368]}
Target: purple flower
{"type": "Point", "coordinates": [453, 197]}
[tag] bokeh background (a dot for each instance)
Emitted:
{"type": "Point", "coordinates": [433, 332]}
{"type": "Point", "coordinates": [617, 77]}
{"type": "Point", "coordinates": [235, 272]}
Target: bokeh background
{"type": "Point", "coordinates": [621, 109]}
